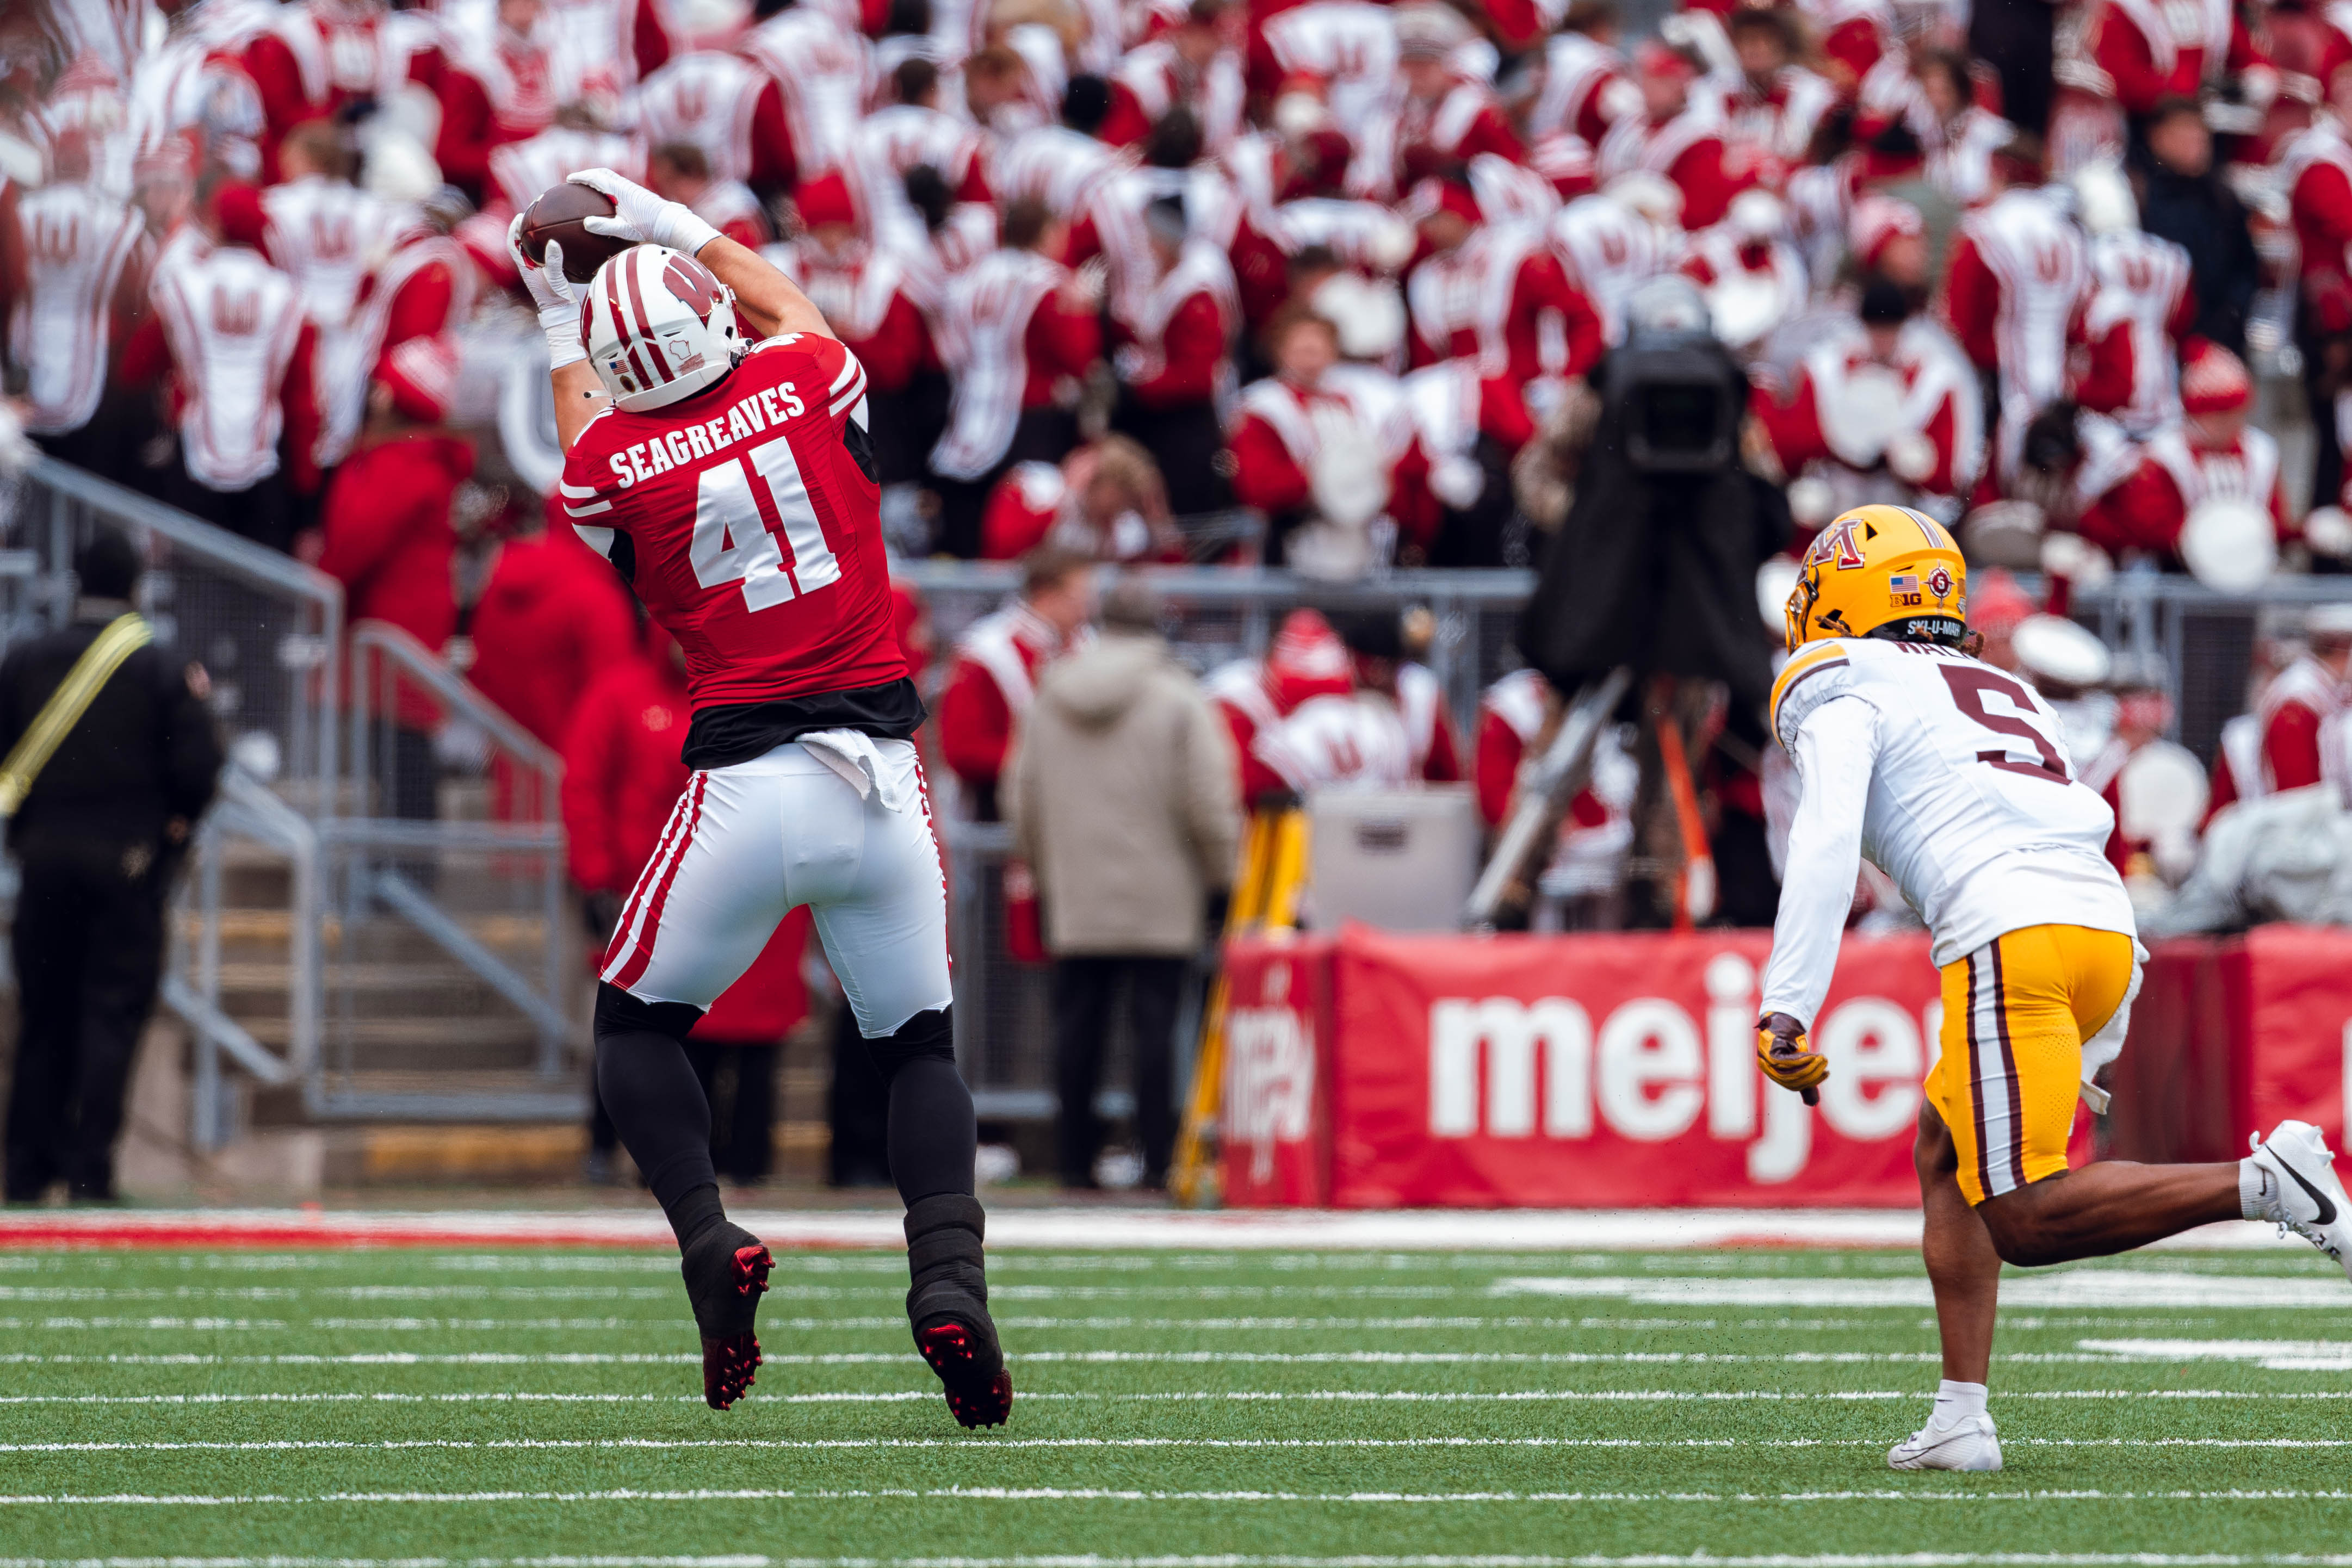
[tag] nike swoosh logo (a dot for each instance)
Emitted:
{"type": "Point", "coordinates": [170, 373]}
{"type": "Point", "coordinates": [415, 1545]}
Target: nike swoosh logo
{"type": "Point", "coordinates": [2326, 1214]}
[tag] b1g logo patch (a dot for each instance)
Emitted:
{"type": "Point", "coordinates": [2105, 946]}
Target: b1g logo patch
{"type": "Point", "coordinates": [1902, 591]}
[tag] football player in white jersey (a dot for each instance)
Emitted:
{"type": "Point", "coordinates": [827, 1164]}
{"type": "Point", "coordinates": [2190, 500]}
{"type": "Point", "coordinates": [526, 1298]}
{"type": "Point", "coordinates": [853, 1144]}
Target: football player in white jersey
{"type": "Point", "coordinates": [1954, 780]}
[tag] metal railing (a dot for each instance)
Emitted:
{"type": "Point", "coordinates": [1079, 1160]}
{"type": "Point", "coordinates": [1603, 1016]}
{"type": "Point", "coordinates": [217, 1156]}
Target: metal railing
{"type": "Point", "coordinates": [456, 836]}
{"type": "Point", "coordinates": [1221, 614]}
{"type": "Point", "coordinates": [268, 629]}
{"type": "Point", "coordinates": [316, 919]}
{"type": "Point", "coordinates": [2207, 639]}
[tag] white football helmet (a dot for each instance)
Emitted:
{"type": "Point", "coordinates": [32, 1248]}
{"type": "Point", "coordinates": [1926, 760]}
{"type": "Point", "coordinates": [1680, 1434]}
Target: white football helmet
{"type": "Point", "coordinates": [658, 327]}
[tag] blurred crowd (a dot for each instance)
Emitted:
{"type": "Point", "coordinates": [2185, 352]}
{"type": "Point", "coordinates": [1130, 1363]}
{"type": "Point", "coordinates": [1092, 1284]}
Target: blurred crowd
{"type": "Point", "coordinates": [1116, 267]}
{"type": "Point", "coordinates": [1322, 283]}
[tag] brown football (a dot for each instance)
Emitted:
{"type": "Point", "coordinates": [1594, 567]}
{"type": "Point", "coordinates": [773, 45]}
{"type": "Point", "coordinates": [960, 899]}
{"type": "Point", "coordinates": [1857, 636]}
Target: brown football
{"type": "Point", "coordinates": [557, 215]}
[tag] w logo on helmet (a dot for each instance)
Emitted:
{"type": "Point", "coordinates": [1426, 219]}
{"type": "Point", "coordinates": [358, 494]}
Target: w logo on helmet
{"type": "Point", "coordinates": [658, 327]}
{"type": "Point", "coordinates": [692, 284]}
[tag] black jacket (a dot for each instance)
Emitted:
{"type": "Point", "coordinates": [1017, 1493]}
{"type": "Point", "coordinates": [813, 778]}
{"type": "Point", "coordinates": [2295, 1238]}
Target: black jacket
{"type": "Point", "coordinates": [144, 753]}
{"type": "Point", "coordinates": [1658, 573]}
{"type": "Point", "coordinates": [2204, 217]}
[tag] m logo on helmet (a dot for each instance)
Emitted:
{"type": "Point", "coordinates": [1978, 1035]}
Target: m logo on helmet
{"type": "Point", "coordinates": [1838, 545]}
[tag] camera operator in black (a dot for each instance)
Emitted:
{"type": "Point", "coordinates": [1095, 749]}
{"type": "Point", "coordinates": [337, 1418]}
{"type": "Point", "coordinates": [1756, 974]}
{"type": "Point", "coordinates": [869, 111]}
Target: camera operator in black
{"type": "Point", "coordinates": [97, 836]}
{"type": "Point", "coordinates": [1654, 566]}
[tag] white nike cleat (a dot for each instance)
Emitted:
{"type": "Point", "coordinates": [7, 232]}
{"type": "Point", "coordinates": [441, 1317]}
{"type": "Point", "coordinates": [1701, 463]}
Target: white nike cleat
{"type": "Point", "coordinates": [2301, 1193]}
{"type": "Point", "coordinates": [1967, 1444]}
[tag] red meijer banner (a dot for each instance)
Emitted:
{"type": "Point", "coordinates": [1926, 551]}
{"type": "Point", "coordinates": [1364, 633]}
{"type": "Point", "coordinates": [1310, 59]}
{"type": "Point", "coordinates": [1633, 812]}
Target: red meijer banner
{"type": "Point", "coordinates": [1375, 1071]}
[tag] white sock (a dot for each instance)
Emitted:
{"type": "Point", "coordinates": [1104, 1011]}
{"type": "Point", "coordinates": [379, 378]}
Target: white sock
{"type": "Point", "coordinates": [2253, 1190]}
{"type": "Point", "coordinates": [1957, 1401]}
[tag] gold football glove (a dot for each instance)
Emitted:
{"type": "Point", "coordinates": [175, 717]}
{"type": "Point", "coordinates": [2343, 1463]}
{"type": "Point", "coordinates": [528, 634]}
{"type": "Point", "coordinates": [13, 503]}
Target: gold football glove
{"type": "Point", "coordinates": [1787, 1060]}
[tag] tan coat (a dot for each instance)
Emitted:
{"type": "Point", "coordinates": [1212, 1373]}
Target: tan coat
{"type": "Point", "coordinates": [1122, 797]}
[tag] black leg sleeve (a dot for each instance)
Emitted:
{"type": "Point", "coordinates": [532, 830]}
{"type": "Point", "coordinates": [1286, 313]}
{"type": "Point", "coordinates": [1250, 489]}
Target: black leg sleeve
{"type": "Point", "coordinates": [932, 1135]}
{"type": "Point", "coordinates": [657, 1104]}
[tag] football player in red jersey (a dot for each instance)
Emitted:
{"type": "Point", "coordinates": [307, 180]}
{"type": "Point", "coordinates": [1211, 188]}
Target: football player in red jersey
{"type": "Point", "coordinates": [718, 455]}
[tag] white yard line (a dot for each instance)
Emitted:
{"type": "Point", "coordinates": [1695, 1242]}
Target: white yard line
{"type": "Point", "coordinates": [1326, 1395]}
{"type": "Point", "coordinates": [980, 1445]}
{"type": "Point", "coordinates": [1162, 1357]}
{"type": "Point", "coordinates": [1120, 1494]}
{"type": "Point", "coordinates": [1108, 1228]}
{"type": "Point", "coordinates": [1098, 1560]}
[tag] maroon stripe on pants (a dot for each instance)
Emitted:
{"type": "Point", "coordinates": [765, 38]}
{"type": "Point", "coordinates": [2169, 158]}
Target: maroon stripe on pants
{"type": "Point", "coordinates": [2009, 1069]}
{"type": "Point", "coordinates": [1976, 1087]}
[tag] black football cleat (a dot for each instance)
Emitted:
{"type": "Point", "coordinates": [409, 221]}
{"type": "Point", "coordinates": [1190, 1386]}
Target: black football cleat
{"type": "Point", "coordinates": [726, 1272]}
{"type": "Point", "coordinates": [948, 1307]}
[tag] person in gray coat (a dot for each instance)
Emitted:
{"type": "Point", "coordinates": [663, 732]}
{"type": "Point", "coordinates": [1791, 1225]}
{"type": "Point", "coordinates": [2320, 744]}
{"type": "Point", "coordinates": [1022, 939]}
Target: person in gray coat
{"type": "Point", "coordinates": [1123, 798]}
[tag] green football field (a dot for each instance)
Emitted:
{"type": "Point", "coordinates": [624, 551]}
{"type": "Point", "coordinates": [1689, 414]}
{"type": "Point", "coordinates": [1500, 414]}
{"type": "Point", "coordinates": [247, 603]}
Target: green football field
{"type": "Point", "coordinates": [1245, 1407]}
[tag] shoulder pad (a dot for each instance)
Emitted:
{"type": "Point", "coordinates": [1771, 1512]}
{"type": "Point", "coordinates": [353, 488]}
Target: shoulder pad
{"type": "Point", "coordinates": [1820, 671]}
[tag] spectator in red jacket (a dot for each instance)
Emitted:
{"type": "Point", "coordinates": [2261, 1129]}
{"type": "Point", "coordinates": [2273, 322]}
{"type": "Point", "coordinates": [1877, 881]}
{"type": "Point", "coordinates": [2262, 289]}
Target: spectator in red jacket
{"type": "Point", "coordinates": [385, 534]}
{"type": "Point", "coordinates": [551, 617]}
{"type": "Point", "coordinates": [621, 776]}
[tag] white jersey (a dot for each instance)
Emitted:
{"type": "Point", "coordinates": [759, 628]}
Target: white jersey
{"type": "Point", "coordinates": [78, 240]}
{"type": "Point", "coordinates": [707, 98]}
{"type": "Point", "coordinates": [1953, 778]}
{"type": "Point", "coordinates": [232, 322]}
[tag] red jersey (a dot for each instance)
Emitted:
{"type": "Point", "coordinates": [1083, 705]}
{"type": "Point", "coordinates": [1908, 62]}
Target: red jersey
{"type": "Point", "coordinates": [746, 519]}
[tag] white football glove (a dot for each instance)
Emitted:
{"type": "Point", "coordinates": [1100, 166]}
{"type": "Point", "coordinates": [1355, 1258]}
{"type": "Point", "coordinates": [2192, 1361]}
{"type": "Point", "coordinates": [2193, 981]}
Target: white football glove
{"type": "Point", "coordinates": [639, 214]}
{"type": "Point", "coordinates": [551, 291]}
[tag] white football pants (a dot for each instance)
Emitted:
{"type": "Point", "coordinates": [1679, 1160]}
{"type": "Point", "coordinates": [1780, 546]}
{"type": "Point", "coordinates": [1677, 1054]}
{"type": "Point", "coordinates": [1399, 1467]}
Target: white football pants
{"type": "Point", "coordinates": [747, 844]}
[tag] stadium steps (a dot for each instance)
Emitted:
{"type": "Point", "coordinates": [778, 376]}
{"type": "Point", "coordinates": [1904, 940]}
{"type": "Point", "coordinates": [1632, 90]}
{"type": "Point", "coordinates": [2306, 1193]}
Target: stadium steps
{"type": "Point", "coordinates": [401, 1017]}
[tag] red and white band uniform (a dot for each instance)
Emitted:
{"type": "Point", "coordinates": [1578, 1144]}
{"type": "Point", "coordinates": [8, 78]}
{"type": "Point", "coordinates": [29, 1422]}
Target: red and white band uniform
{"type": "Point", "coordinates": [866, 295]}
{"type": "Point", "coordinates": [233, 331]}
{"type": "Point", "coordinates": [2280, 745]}
{"type": "Point", "coordinates": [753, 535]}
{"type": "Point", "coordinates": [1501, 299]}
{"type": "Point", "coordinates": [2316, 171]}
{"type": "Point", "coordinates": [2019, 271]}
{"type": "Point", "coordinates": [323, 233]}
{"type": "Point", "coordinates": [1778, 121]}
{"type": "Point", "coordinates": [726, 106]}
{"type": "Point", "coordinates": [826, 73]}
{"type": "Point", "coordinates": [83, 270]}
{"type": "Point", "coordinates": [2149, 50]}
{"type": "Point", "coordinates": [1349, 46]}
{"type": "Point", "coordinates": [1005, 326]}
{"type": "Point", "coordinates": [1598, 826]}
{"type": "Point", "coordinates": [1175, 334]}
{"type": "Point", "coordinates": [994, 679]}
{"type": "Point", "coordinates": [1933, 437]}
{"type": "Point", "coordinates": [1151, 78]}
{"type": "Point", "coordinates": [1365, 738]}
{"type": "Point", "coordinates": [1452, 408]}
{"type": "Point", "coordinates": [2147, 510]}
{"type": "Point", "coordinates": [1585, 90]}
{"type": "Point", "coordinates": [1308, 660]}
{"type": "Point", "coordinates": [1283, 429]}
{"type": "Point", "coordinates": [1606, 250]}
{"type": "Point", "coordinates": [1687, 150]}
{"type": "Point", "coordinates": [1728, 257]}
{"type": "Point", "coordinates": [2141, 309]}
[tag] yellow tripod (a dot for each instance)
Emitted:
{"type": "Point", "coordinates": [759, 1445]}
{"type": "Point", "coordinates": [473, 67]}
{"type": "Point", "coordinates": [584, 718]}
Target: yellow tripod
{"type": "Point", "coordinates": [1265, 898]}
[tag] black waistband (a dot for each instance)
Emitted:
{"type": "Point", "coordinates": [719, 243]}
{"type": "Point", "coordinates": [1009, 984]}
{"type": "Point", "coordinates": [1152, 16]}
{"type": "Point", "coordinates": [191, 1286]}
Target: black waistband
{"type": "Point", "coordinates": [722, 737]}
